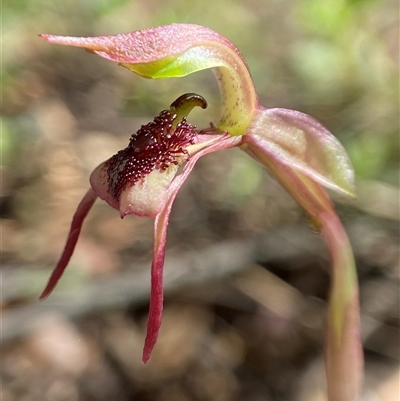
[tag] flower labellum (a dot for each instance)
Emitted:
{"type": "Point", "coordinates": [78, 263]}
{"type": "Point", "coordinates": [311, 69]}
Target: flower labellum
{"type": "Point", "coordinates": [145, 177]}
{"type": "Point", "coordinates": [136, 178]}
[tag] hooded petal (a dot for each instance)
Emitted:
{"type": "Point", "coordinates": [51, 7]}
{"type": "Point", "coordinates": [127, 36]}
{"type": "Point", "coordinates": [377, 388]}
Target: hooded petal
{"type": "Point", "coordinates": [178, 50]}
{"type": "Point", "coordinates": [160, 234]}
{"type": "Point", "coordinates": [81, 212]}
{"type": "Point", "coordinates": [297, 140]}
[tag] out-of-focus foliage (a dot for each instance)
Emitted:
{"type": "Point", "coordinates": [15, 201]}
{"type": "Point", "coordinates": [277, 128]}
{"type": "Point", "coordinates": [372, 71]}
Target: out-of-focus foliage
{"type": "Point", "coordinates": [64, 111]}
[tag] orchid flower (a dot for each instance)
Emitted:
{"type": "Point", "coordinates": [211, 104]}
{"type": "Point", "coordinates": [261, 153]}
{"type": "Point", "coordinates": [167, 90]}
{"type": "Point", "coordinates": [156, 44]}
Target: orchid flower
{"type": "Point", "coordinates": [145, 177]}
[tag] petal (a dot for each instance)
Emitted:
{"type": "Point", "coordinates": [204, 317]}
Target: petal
{"type": "Point", "coordinates": [160, 234]}
{"type": "Point", "coordinates": [81, 212]}
{"type": "Point", "coordinates": [297, 140]}
{"type": "Point", "coordinates": [178, 50]}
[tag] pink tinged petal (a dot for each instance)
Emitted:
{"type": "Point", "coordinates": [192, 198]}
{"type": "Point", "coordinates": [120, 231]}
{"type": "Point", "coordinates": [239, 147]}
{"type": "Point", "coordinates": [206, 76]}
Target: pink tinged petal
{"type": "Point", "coordinates": [344, 357]}
{"type": "Point", "coordinates": [300, 142]}
{"type": "Point", "coordinates": [81, 212]}
{"type": "Point", "coordinates": [178, 50]}
{"type": "Point", "coordinates": [160, 234]}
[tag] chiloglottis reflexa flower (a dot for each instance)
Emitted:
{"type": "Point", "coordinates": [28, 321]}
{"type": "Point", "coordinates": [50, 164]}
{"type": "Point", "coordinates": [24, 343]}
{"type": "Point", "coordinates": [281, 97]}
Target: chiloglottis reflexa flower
{"type": "Point", "coordinates": [144, 178]}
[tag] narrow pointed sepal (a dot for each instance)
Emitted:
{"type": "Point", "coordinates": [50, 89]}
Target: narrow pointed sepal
{"type": "Point", "coordinates": [157, 290]}
{"type": "Point", "coordinates": [223, 141]}
{"type": "Point", "coordinates": [300, 142]}
{"type": "Point", "coordinates": [81, 212]}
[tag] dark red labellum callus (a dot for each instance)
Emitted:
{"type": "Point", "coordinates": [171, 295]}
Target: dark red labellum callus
{"type": "Point", "coordinates": [137, 178]}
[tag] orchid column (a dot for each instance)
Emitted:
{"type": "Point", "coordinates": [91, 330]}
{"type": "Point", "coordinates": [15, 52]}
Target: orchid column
{"type": "Point", "coordinates": [143, 179]}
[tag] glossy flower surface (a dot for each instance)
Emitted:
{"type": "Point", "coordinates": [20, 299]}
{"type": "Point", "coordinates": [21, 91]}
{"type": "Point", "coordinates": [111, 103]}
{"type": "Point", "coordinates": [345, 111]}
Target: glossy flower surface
{"type": "Point", "coordinates": [144, 178]}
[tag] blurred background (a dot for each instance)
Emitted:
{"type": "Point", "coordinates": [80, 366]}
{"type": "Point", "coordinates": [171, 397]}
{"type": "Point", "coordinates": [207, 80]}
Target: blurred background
{"type": "Point", "coordinates": [246, 277]}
